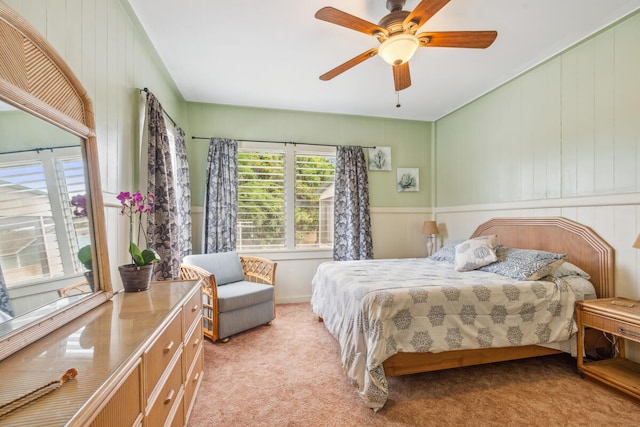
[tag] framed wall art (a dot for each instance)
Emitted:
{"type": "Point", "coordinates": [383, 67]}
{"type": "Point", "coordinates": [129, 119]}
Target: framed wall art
{"type": "Point", "coordinates": [407, 179]}
{"type": "Point", "coordinates": [380, 159]}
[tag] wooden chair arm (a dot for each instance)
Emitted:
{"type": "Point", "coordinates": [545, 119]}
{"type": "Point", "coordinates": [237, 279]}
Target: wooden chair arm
{"type": "Point", "coordinates": [209, 284]}
{"type": "Point", "coordinates": [210, 297]}
{"type": "Point", "coordinates": [77, 288]}
{"type": "Point", "coordinates": [258, 269]}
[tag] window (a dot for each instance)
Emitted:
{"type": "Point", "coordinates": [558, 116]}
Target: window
{"type": "Point", "coordinates": [285, 197]}
{"type": "Point", "coordinates": [43, 217]}
{"type": "Point", "coordinates": [314, 199]}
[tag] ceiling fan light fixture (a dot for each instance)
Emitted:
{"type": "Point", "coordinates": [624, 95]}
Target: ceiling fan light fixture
{"type": "Point", "coordinates": [398, 49]}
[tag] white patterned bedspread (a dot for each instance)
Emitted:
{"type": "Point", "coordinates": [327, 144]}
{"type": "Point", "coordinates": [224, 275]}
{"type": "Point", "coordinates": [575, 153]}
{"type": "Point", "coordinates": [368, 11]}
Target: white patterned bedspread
{"type": "Point", "coordinates": [377, 308]}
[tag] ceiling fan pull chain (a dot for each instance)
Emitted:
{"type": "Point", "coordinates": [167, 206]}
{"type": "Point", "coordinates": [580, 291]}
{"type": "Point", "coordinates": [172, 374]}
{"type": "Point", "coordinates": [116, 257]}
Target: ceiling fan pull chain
{"type": "Point", "coordinates": [398, 104]}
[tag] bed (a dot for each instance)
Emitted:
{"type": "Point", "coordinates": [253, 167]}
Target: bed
{"type": "Point", "coordinates": [403, 316]}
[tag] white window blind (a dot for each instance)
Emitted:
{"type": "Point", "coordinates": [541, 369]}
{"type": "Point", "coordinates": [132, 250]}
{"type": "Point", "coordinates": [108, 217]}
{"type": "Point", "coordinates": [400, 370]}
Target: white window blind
{"type": "Point", "coordinates": [314, 199]}
{"type": "Point", "coordinates": [40, 230]}
{"type": "Point", "coordinates": [285, 198]}
{"type": "Point", "coordinates": [261, 200]}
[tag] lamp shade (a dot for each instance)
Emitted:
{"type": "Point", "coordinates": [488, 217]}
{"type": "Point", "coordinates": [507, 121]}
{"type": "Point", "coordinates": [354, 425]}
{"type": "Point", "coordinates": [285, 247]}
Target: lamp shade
{"type": "Point", "coordinates": [636, 244]}
{"type": "Point", "coordinates": [430, 227]}
{"type": "Point", "coordinates": [398, 49]}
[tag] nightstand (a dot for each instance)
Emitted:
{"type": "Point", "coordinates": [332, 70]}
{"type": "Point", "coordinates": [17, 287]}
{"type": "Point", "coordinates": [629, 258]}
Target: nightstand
{"type": "Point", "coordinates": [619, 317]}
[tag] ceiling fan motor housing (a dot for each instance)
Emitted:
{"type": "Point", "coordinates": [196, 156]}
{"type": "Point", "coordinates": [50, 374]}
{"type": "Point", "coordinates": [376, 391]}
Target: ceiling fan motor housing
{"type": "Point", "coordinates": [395, 5]}
{"type": "Point", "coordinates": [393, 21]}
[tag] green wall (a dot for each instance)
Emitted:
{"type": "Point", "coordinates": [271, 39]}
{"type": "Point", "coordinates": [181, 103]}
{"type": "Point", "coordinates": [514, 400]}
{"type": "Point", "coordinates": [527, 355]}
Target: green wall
{"type": "Point", "coordinates": [570, 127]}
{"type": "Point", "coordinates": [410, 143]}
{"type": "Point", "coordinates": [22, 131]}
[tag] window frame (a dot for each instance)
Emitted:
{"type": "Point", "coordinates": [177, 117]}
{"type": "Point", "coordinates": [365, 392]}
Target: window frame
{"type": "Point", "coordinates": [290, 150]}
{"type": "Point", "coordinates": [61, 216]}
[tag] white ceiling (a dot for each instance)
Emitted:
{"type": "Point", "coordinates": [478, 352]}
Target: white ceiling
{"type": "Point", "coordinates": [271, 53]}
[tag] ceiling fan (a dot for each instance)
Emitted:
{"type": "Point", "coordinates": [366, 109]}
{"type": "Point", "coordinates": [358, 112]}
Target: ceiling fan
{"type": "Point", "coordinates": [396, 33]}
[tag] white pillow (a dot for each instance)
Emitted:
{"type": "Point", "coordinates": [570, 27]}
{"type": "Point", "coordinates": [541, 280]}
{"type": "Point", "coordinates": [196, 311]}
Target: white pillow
{"type": "Point", "coordinates": [582, 288]}
{"type": "Point", "coordinates": [476, 253]}
{"type": "Point", "coordinates": [568, 269]}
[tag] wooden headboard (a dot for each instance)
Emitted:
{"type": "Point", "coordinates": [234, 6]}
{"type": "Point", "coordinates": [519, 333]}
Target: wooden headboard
{"type": "Point", "coordinates": [584, 247]}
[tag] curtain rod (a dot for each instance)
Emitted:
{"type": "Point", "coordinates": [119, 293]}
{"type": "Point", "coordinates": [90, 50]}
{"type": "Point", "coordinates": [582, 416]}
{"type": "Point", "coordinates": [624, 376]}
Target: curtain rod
{"type": "Point", "coordinates": [163, 110]}
{"type": "Point", "coordinates": [281, 142]}
{"type": "Point", "coordinates": [38, 150]}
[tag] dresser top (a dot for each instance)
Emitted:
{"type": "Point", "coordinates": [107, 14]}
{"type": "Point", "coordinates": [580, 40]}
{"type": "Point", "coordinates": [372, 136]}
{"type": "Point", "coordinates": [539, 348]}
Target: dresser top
{"type": "Point", "coordinates": [99, 344]}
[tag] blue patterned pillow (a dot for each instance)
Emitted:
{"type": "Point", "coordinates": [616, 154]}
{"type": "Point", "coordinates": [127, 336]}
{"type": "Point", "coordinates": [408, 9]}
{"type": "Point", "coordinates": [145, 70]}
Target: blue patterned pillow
{"type": "Point", "coordinates": [474, 253]}
{"type": "Point", "coordinates": [446, 253]}
{"type": "Point", "coordinates": [524, 264]}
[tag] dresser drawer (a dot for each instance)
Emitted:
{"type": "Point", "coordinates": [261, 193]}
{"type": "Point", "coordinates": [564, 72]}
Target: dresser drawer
{"type": "Point", "coordinates": [159, 355]}
{"type": "Point", "coordinates": [171, 394]}
{"type": "Point", "coordinates": [194, 377]}
{"type": "Point", "coordinates": [607, 324]}
{"type": "Point", "coordinates": [178, 417]}
{"type": "Point", "coordinates": [192, 310]}
{"type": "Point", "coordinates": [191, 346]}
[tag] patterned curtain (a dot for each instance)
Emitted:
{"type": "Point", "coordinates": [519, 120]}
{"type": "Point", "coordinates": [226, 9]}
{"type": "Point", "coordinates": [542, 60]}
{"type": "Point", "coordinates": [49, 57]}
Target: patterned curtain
{"type": "Point", "coordinates": [221, 197]}
{"type": "Point", "coordinates": [5, 303]}
{"type": "Point", "coordinates": [162, 225]}
{"type": "Point", "coordinates": [183, 195]}
{"type": "Point", "coordinates": [352, 232]}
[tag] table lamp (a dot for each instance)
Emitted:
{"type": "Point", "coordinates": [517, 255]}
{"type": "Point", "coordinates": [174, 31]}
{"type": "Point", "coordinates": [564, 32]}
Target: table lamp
{"type": "Point", "coordinates": [430, 228]}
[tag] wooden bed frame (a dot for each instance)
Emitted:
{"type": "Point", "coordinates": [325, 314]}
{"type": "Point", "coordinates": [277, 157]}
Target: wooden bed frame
{"type": "Point", "coordinates": [555, 234]}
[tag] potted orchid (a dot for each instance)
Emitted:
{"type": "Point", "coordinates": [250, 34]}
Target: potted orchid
{"type": "Point", "coordinates": [137, 275]}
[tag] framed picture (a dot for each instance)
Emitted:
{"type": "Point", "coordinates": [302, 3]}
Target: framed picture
{"type": "Point", "coordinates": [407, 179]}
{"type": "Point", "coordinates": [380, 159]}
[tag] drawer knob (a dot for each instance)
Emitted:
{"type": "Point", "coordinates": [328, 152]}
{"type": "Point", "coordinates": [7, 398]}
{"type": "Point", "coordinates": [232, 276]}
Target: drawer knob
{"type": "Point", "coordinates": [169, 397]}
{"type": "Point", "coordinates": [195, 308]}
{"type": "Point", "coordinates": [195, 377]}
{"type": "Point", "coordinates": [196, 342]}
{"type": "Point", "coordinates": [168, 348]}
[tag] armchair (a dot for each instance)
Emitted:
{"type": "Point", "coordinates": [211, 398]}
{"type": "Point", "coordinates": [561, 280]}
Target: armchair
{"type": "Point", "coordinates": [238, 291]}
{"type": "Point", "coordinates": [77, 288]}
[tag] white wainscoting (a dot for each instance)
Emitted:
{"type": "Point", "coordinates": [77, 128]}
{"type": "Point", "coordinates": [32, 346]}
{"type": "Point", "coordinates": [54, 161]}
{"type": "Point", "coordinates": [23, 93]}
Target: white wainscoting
{"type": "Point", "coordinates": [616, 218]}
{"type": "Point", "coordinates": [396, 234]}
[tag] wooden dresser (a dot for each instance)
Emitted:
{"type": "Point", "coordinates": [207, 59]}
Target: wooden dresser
{"type": "Point", "coordinates": [139, 358]}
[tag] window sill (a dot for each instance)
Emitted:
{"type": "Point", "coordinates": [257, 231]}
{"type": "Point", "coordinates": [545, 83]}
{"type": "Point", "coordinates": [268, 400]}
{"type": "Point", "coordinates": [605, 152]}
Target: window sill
{"type": "Point", "coordinates": [296, 254]}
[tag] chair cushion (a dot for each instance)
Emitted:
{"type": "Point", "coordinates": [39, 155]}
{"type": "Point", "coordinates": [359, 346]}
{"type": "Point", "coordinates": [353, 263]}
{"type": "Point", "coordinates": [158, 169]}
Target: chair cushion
{"type": "Point", "coordinates": [225, 266]}
{"type": "Point", "coordinates": [242, 294]}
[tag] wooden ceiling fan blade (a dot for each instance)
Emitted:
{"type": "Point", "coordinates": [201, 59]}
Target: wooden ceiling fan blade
{"type": "Point", "coordinates": [338, 17]}
{"type": "Point", "coordinates": [401, 76]}
{"type": "Point", "coordinates": [422, 13]}
{"type": "Point", "coordinates": [466, 39]}
{"type": "Point", "coordinates": [349, 64]}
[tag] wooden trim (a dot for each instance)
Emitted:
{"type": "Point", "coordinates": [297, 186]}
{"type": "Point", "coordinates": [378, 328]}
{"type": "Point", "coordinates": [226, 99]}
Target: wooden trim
{"type": "Point", "coordinates": [622, 199]}
{"type": "Point", "coordinates": [413, 363]}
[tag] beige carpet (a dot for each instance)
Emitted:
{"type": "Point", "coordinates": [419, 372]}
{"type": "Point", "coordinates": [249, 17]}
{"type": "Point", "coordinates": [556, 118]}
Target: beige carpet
{"type": "Point", "coordinates": [289, 374]}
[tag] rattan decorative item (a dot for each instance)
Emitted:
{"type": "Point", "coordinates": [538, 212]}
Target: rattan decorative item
{"type": "Point", "coordinates": [32, 396]}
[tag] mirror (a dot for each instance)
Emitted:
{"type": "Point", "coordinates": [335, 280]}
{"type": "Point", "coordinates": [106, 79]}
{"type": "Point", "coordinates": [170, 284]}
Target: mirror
{"type": "Point", "coordinates": [43, 216]}
{"type": "Point", "coordinates": [51, 208]}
